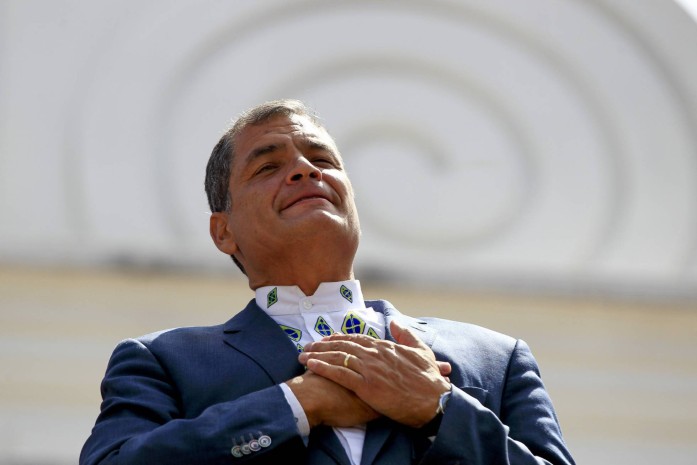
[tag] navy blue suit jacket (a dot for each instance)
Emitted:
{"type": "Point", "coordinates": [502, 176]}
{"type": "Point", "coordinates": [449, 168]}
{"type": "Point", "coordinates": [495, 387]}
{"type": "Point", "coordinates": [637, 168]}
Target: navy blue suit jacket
{"type": "Point", "coordinates": [188, 395]}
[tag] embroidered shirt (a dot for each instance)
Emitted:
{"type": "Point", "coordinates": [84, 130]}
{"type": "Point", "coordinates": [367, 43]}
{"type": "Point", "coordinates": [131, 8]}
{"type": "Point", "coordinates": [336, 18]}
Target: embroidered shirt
{"type": "Point", "coordinates": [334, 307]}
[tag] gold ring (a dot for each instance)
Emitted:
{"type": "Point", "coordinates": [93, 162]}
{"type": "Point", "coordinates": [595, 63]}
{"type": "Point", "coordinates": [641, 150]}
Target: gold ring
{"type": "Point", "coordinates": [346, 359]}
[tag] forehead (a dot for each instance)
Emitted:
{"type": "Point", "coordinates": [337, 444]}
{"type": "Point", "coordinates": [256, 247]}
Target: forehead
{"type": "Point", "coordinates": [276, 127]}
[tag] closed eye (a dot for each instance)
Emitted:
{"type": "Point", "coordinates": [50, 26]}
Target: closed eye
{"type": "Point", "coordinates": [266, 167]}
{"type": "Point", "coordinates": [324, 162]}
{"type": "Point", "coordinates": [321, 153]}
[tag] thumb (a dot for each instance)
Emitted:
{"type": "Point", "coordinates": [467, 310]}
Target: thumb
{"type": "Point", "coordinates": [404, 336]}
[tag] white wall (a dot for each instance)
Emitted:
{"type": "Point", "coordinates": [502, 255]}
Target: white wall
{"type": "Point", "coordinates": [544, 144]}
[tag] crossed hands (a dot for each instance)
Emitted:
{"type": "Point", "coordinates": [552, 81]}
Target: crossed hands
{"type": "Point", "coordinates": [352, 379]}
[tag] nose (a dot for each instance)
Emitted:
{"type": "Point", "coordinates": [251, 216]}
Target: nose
{"type": "Point", "coordinates": [303, 169]}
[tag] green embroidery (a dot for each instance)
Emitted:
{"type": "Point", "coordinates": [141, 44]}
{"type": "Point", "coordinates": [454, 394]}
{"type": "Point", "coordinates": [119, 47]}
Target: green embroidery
{"type": "Point", "coordinates": [293, 333]}
{"type": "Point", "coordinates": [271, 297]}
{"type": "Point", "coordinates": [323, 328]}
{"type": "Point", "coordinates": [346, 293]}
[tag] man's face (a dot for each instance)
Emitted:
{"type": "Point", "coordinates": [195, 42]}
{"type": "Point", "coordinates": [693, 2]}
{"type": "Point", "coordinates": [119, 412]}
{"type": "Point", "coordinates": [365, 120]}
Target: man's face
{"type": "Point", "coordinates": [288, 185]}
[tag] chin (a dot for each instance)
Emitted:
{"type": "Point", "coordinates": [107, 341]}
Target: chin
{"type": "Point", "coordinates": [324, 224]}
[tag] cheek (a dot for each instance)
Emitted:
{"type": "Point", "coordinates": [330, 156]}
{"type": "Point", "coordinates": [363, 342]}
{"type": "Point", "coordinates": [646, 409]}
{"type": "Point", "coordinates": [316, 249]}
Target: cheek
{"type": "Point", "coordinates": [244, 211]}
{"type": "Point", "coordinates": [340, 183]}
{"type": "Point", "coordinates": [251, 196]}
{"type": "Point", "coordinates": [346, 192]}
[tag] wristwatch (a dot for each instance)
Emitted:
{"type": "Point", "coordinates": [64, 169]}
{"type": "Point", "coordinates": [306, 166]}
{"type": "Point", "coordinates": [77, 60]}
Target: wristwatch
{"type": "Point", "coordinates": [443, 400]}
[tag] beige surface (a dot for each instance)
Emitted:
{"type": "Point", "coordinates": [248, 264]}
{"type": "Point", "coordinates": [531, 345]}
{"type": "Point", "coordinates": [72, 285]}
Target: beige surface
{"type": "Point", "coordinates": [622, 375]}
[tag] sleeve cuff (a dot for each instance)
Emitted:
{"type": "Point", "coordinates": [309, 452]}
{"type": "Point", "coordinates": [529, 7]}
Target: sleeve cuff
{"type": "Point", "coordinates": [298, 412]}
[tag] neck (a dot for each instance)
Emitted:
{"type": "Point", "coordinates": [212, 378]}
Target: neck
{"type": "Point", "coordinates": [306, 275]}
{"type": "Point", "coordinates": [306, 263]}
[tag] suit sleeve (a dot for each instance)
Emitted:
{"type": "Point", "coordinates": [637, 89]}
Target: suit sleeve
{"type": "Point", "coordinates": [140, 420]}
{"type": "Point", "coordinates": [527, 431]}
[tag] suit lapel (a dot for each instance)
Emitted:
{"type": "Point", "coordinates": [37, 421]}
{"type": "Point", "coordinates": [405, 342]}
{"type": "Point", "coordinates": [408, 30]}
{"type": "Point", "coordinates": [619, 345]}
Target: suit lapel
{"type": "Point", "coordinates": [419, 327]}
{"type": "Point", "coordinates": [324, 438]}
{"type": "Point", "coordinates": [376, 435]}
{"type": "Point", "coordinates": [379, 431]}
{"type": "Point", "coordinates": [253, 333]}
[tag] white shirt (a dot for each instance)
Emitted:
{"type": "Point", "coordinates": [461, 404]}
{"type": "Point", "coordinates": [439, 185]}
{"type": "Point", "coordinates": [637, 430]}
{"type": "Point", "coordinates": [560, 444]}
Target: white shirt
{"type": "Point", "coordinates": [334, 307]}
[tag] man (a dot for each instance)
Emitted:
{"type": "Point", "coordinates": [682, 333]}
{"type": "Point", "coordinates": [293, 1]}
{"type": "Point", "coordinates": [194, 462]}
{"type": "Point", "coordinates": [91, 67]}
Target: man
{"type": "Point", "coordinates": [308, 372]}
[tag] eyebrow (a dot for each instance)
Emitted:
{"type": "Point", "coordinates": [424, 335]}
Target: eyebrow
{"type": "Point", "coordinates": [318, 144]}
{"type": "Point", "coordinates": [311, 141]}
{"type": "Point", "coordinates": [260, 151]}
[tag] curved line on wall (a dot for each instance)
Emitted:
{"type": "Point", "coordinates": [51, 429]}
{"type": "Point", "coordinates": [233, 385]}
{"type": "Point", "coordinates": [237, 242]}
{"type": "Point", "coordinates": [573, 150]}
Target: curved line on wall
{"type": "Point", "coordinates": [463, 87]}
{"type": "Point", "coordinates": [679, 95]}
{"type": "Point", "coordinates": [249, 25]}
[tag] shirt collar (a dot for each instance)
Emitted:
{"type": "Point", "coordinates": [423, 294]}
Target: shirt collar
{"type": "Point", "coordinates": [329, 297]}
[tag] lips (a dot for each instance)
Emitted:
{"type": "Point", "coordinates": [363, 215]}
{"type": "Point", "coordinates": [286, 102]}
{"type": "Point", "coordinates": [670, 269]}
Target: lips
{"type": "Point", "coordinates": [306, 195]}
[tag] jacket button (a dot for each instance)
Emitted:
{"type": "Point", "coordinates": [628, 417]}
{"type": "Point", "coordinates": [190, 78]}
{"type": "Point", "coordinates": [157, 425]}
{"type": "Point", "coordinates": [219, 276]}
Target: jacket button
{"type": "Point", "coordinates": [264, 440]}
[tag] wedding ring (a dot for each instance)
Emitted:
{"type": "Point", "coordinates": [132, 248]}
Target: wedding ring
{"type": "Point", "coordinates": [346, 359]}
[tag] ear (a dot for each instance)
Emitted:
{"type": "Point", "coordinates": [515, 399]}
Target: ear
{"type": "Point", "coordinates": [222, 234]}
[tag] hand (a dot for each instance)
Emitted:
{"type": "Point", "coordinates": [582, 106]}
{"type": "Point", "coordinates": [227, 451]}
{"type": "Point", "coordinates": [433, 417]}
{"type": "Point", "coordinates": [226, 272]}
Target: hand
{"type": "Point", "coordinates": [325, 402]}
{"type": "Point", "coordinates": [402, 380]}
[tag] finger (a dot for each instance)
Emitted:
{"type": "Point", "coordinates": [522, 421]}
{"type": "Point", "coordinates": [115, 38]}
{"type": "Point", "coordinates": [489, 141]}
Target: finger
{"type": "Point", "coordinates": [328, 357]}
{"type": "Point", "coordinates": [342, 376]}
{"type": "Point", "coordinates": [404, 336]}
{"type": "Point", "coordinates": [361, 339]}
{"type": "Point", "coordinates": [338, 345]}
{"type": "Point", "coordinates": [338, 359]}
{"type": "Point", "coordinates": [444, 367]}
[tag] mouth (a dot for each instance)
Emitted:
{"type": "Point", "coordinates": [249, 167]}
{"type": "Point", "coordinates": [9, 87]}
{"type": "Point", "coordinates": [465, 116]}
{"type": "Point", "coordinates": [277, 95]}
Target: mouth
{"type": "Point", "coordinates": [307, 198]}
